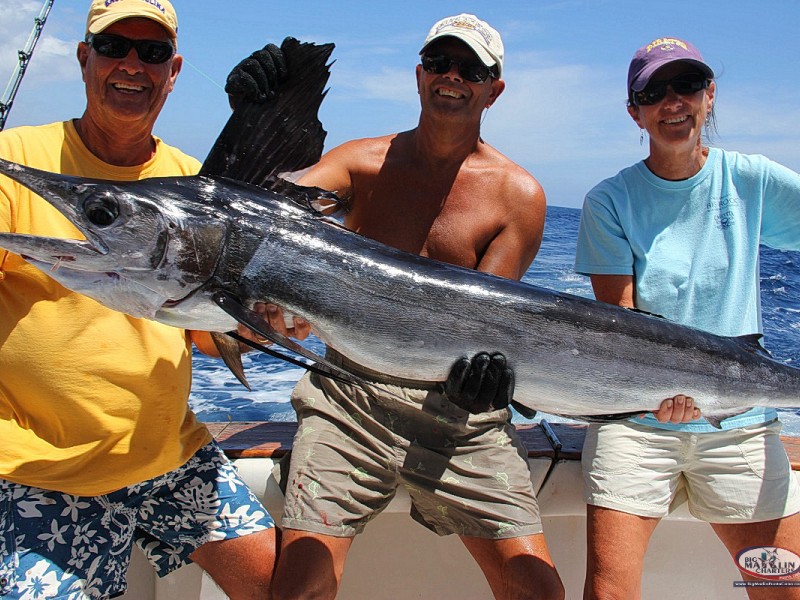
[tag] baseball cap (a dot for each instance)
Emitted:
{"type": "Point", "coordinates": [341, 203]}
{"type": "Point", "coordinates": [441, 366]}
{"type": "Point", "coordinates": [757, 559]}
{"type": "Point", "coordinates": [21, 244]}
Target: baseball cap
{"type": "Point", "coordinates": [662, 51]}
{"type": "Point", "coordinates": [103, 13]}
{"type": "Point", "coordinates": [478, 35]}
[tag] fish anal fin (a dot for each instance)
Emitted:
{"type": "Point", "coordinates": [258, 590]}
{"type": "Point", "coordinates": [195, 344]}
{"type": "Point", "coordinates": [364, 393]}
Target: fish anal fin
{"type": "Point", "coordinates": [231, 355]}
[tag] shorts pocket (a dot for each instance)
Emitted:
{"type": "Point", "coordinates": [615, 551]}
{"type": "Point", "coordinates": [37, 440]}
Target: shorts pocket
{"type": "Point", "coordinates": [614, 448]}
{"type": "Point", "coordinates": [762, 449]}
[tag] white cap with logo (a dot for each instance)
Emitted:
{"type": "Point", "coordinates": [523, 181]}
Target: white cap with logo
{"type": "Point", "coordinates": [478, 35]}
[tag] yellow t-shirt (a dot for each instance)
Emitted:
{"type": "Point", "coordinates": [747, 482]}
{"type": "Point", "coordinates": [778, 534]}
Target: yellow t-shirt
{"type": "Point", "coordinates": [91, 400]}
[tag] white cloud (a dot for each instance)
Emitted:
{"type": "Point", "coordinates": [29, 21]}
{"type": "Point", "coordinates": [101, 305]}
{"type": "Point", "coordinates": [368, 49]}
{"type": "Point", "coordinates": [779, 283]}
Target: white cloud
{"type": "Point", "coordinates": [53, 68]}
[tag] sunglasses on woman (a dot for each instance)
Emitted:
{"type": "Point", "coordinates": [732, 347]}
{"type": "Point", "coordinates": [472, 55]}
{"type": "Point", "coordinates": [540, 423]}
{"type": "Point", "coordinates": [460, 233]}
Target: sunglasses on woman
{"type": "Point", "coordinates": [683, 85]}
{"type": "Point", "coordinates": [115, 46]}
{"type": "Point", "coordinates": [439, 64]}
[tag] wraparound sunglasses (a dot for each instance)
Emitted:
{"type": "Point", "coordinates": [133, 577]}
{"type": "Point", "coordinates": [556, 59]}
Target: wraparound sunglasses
{"type": "Point", "coordinates": [683, 85]}
{"type": "Point", "coordinates": [471, 71]}
{"type": "Point", "coordinates": [152, 52]}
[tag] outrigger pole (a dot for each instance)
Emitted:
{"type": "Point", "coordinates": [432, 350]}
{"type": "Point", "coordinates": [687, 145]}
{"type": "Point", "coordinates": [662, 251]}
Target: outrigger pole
{"type": "Point", "coordinates": [7, 99]}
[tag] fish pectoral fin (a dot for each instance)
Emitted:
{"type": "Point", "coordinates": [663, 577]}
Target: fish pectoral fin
{"type": "Point", "coordinates": [231, 355]}
{"type": "Point", "coordinates": [254, 322]}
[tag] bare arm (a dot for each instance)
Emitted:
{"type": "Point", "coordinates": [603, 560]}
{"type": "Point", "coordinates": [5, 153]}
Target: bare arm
{"type": "Point", "coordinates": [332, 172]}
{"type": "Point", "coordinates": [618, 289]}
{"type": "Point", "coordinates": [614, 289]}
{"type": "Point", "coordinates": [513, 249]}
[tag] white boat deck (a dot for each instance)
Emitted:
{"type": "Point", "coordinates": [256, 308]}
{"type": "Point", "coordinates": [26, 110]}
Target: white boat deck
{"type": "Point", "coordinates": [397, 559]}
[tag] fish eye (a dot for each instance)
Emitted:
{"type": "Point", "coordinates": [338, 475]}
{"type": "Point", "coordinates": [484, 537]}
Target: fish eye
{"type": "Point", "coordinates": [101, 211]}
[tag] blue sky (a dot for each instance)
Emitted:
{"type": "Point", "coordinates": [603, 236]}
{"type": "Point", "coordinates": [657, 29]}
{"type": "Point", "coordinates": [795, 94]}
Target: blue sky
{"type": "Point", "coordinates": [562, 116]}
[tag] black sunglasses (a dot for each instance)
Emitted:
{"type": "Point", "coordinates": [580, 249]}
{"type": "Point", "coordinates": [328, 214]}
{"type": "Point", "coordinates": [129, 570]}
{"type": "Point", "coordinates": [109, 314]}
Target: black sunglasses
{"type": "Point", "coordinates": [475, 72]}
{"type": "Point", "coordinates": [683, 85]}
{"type": "Point", "coordinates": [115, 46]}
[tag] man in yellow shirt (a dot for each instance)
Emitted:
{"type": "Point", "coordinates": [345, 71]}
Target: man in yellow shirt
{"type": "Point", "coordinates": [98, 447]}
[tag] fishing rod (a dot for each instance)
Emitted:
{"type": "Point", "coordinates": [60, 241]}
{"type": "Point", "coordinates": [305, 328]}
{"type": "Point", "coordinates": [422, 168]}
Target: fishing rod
{"type": "Point", "coordinates": [7, 99]}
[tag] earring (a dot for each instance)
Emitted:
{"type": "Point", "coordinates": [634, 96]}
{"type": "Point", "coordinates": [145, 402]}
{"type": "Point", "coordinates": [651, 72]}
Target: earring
{"type": "Point", "coordinates": [641, 137]}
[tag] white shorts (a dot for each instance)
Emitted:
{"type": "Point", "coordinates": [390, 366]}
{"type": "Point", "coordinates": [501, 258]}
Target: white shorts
{"type": "Point", "coordinates": [732, 476]}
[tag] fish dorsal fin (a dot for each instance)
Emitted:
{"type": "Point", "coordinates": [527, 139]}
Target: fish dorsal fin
{"type": "Point", "coordinates": [752, 342]}
{"type": "Point", "coordinates": [644, 312]}
{"type": "Point", "coordinates": [282, 134]}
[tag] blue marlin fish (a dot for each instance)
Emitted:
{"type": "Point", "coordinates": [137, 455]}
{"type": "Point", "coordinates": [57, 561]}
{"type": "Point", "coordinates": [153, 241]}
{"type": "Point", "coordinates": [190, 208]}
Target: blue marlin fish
{"type": "Point", "coordinates": [198, 252]}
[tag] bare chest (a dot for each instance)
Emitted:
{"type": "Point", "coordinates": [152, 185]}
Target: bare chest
{"type": "Point", "coordinates": [448, 220]}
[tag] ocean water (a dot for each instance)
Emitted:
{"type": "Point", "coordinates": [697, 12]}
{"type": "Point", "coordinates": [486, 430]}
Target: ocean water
{"type": "Point", "coordinates": [218, 396]}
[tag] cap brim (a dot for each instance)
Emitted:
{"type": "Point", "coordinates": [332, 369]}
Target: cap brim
{"type": "Point", "coordinates": [643, 78]}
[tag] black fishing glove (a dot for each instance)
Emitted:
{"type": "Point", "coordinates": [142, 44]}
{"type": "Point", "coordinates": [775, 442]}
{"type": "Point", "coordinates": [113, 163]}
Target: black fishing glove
{"type": "Point", "coordinates": [258, 76]}
{"type": "Point", "coordinates": [481, 384]}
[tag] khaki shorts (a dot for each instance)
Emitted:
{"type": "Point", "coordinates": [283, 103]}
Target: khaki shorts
{"type": "Point", "coordinates": [731, 476]}
{"type": "Point", "coordinates": [466, 474]}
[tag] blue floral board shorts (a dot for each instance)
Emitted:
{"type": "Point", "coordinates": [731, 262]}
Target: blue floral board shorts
{"type": "Point", "coordinates": [56, 545]}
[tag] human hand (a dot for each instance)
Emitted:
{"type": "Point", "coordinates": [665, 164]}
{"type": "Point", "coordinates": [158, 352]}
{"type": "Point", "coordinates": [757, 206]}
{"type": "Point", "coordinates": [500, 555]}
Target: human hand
{"type": "Point", "coordinates": [257, 77]}
{"type": "Point", "coordinates": [283, 322]}
{"type": "Point", "coordinates": [481, 384]}
{"type": "Point", "coordinates": [678, 409]}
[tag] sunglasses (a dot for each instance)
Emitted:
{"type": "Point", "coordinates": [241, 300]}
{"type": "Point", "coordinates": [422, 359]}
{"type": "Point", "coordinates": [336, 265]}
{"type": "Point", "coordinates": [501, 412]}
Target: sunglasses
{"type": "Point", "coordinates": [439, 64]}
{"type": "Point", "coordinates": [115, 46]}
{"type": "Point", "coordinates": [683, 85]}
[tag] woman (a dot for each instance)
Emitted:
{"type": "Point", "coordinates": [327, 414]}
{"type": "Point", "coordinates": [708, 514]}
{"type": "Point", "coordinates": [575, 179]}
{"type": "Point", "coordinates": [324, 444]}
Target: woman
{"type": "Point", "coordinates": [677, 235]}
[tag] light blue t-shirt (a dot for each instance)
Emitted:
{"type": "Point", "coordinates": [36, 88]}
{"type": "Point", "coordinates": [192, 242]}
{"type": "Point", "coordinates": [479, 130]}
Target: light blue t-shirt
{"type": "Point", "coordinates": [692, 245]}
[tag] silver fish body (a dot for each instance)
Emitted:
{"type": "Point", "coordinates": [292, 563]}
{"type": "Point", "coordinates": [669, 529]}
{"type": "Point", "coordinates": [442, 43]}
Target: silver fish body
{"type": "Point", "coordinates": [162, 248]}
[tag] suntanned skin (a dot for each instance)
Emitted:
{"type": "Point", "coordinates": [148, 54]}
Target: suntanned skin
{"type": "Point", "coordinates": [439, 191]}
{"type": "Point", "coordinates": [617, 541]}
{"type": "Point", "coordinates": [124, 98]}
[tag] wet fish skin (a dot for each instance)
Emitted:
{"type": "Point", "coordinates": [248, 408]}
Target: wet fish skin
{"type": "Point", "coordinates": [176, 242]}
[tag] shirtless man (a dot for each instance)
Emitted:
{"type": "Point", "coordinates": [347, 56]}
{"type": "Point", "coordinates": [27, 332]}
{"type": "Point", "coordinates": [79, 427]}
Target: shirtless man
{"type": "Point", "coordinates": [439, 191]}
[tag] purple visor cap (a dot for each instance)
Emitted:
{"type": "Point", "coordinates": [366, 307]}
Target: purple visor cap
{"type": "Point", "coordinates": [650, 58]}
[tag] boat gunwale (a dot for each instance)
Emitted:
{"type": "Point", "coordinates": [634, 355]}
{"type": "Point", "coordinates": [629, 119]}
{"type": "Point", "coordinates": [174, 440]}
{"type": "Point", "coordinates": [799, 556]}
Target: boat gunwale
{"type": "Point", "coordinates": [273, 439]}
